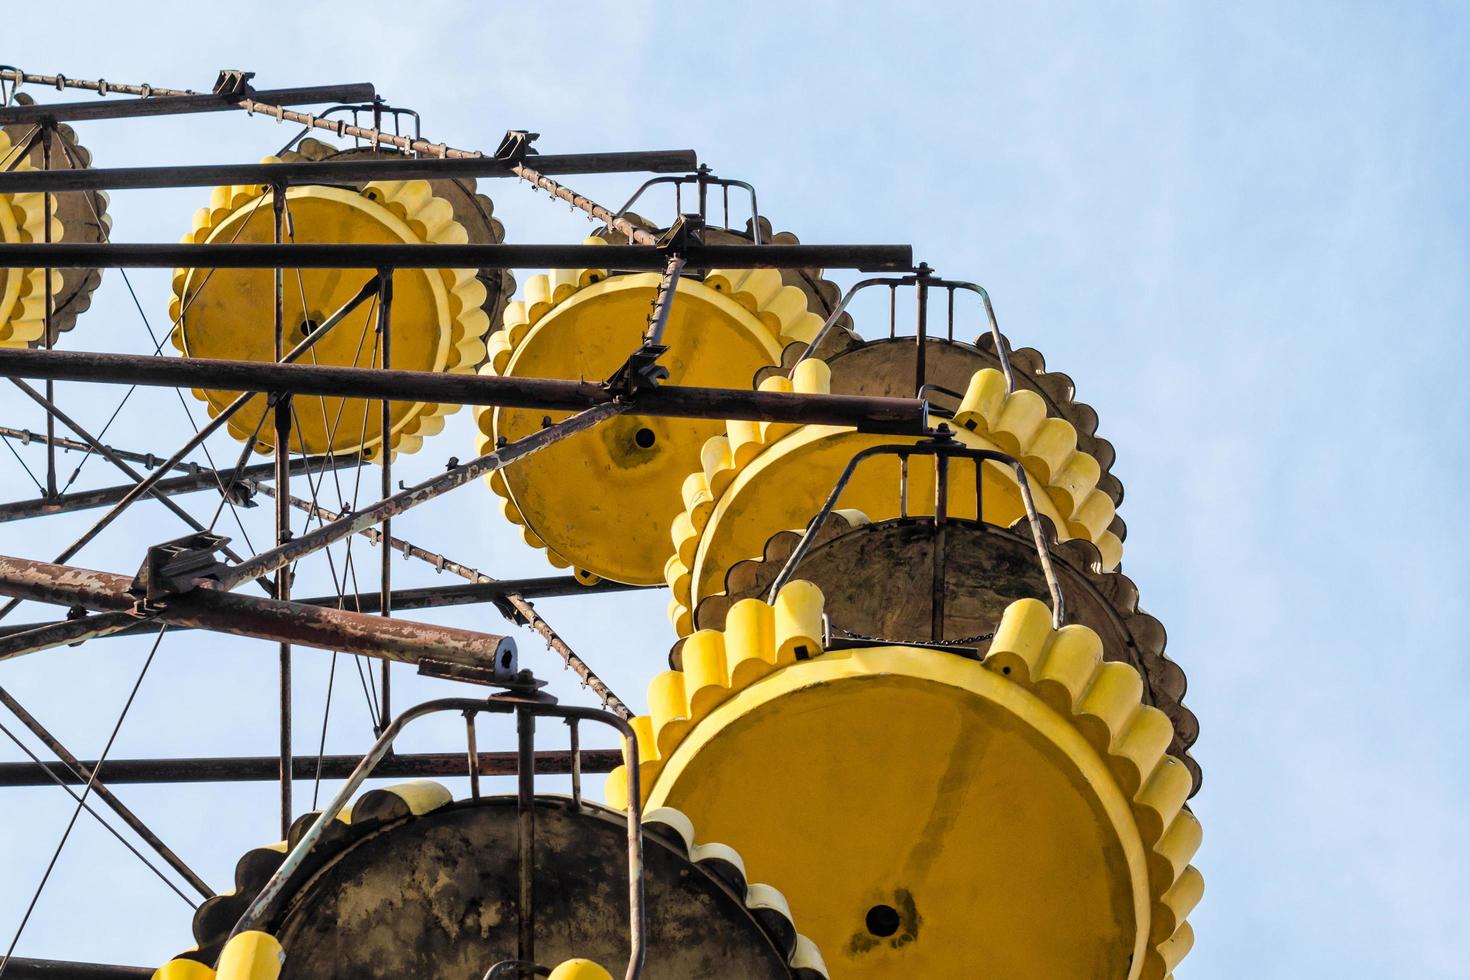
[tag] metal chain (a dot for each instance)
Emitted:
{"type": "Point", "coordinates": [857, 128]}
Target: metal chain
{"type": "Point", "coordinates": [101, 85]}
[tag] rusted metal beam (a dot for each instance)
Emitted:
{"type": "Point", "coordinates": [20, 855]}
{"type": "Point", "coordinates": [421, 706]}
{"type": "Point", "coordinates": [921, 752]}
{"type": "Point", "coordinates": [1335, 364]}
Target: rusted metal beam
{"type": "Point", "coordinates": [434, 597]}
{"type": "Point", "coordinates": [513, 599]}
{"type": "Point", "coordinates": [45, 636]}
{"type": "Point", "coordinates": [346, 171]}
{"type": "Point", "coordinates": [266, 619]}
{"type": "Point", "coordinates": [262, 768]}
{"type": "Point", "coordinates": [897, 416]}
{"type": "Point", "coordinates": [174, 105]}
{"type": "Point", "coordinates": [160, 255]}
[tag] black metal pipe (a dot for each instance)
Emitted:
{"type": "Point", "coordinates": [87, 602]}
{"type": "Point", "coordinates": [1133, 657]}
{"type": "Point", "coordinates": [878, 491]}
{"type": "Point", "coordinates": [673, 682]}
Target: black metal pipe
{"type": "Point", "coordinates": [24, 968]}
{"type": "Point", "coordinates": [48, 130]}
{"type": "Point", "coordinates": [348, 171]}
{"type": "Point", "coordinates": [282, 420]}
{"type": "Point", "coordinates": [162, 255]}
{"type": "Point", "coordinates": [898, 416]}
{"type": "Point", "coordinates": [174, 105]}
{"type": "Point", "coordinates": [385, 459]}
{"type": "Point", "coordinates": [263, 768]}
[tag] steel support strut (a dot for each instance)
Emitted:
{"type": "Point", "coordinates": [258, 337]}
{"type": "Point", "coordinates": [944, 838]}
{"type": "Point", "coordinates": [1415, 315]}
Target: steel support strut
{"type": "Point", "coordinates": [263, 768]}
{"type": "Point", "coordinates": [337, 171]}
{"type": "Point", "coordinates": [896, 416]}
{"type": "Point", "coordinates": [282, 421]}
{"type": "Point", "coordinates": [385, 459]}
{"type": "Point", "coordinates": [261, 618]}
{"type": "Point", "coordinates": [79, 255]}
{"type": "Point", "coordinates": [479, 588]}
{"type": "Point", "coordinates": [172, 105]}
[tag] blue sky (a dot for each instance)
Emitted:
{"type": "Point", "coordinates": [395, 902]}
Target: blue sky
{"type": "Point", "coordinates": [1244, 230]}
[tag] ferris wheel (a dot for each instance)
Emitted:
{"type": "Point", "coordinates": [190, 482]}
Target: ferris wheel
{"type": "Point", "coordinates": [911, 719]}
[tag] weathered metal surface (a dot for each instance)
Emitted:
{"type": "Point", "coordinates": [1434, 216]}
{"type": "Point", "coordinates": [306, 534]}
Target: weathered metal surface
{"type": "Point", "coordinates": [433, 597]}
{"type": "Point", "coordinates": [869, 414]}
{"type": "Point", "coordinates": [986, 569]}
{"type": "Point", "coordinates": [346, 171]}
{"type": "Point", "coordinates": [172, 105]}
{"type": "Point", "coordinates": [264, 768]}
{"type": "Point", "coordinates": [395, 895]}
{"type": "Point", "coordinates": [513, 600]}
{"type": "Point", "coordinates": [44, 636]}
{"type": "Point", "coordinates": [267, 619]}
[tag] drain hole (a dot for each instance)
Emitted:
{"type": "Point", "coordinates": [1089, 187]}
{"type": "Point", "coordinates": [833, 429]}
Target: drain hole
{"type": "Point", "coordinates": [882, 920]}
{"type": "Point", "coordinates": [644, 438]}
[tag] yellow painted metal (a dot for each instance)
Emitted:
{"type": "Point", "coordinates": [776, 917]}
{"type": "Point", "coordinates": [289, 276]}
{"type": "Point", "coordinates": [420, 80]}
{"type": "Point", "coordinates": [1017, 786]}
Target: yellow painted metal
{"type": "Point", "coordinates": [761, 478]}
{"type": "Point", "coordinates": [602, 501]}
{"type": "Point", "coordinates": [437, 322]}
{"type": "Point", "coordinates": [930, 815]}
{"type": "Point", "coordinates": [473, 210]}
{"type": "Point", "coordinates": [23, 291]}
{"type": "Point", "coordinates": [580, 970]}
{"type": "Point", "coordinates": [418, 796]}
{"type": "Point", "coordinates": [251, 956]}
{"type": "Point", "coordinates": [183, 970]}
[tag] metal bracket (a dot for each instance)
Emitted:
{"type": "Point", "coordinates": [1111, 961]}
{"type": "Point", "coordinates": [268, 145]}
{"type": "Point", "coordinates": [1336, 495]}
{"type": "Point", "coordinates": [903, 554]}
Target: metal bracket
{"type": "Point", "coordinates": [234, 84]}
{"type": "Point", "coordinates": [242, 492]}
{"type": "Point", "coordinates": [524, 686]}
{"type": "Point", "coordinates": [516, 145]}
{"type": "Point", "coordinates": [640, 371]}
{"type": "Point", "coordinates": [176, 566]}
{"type": "Point", "coordinates": [687, 231]}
